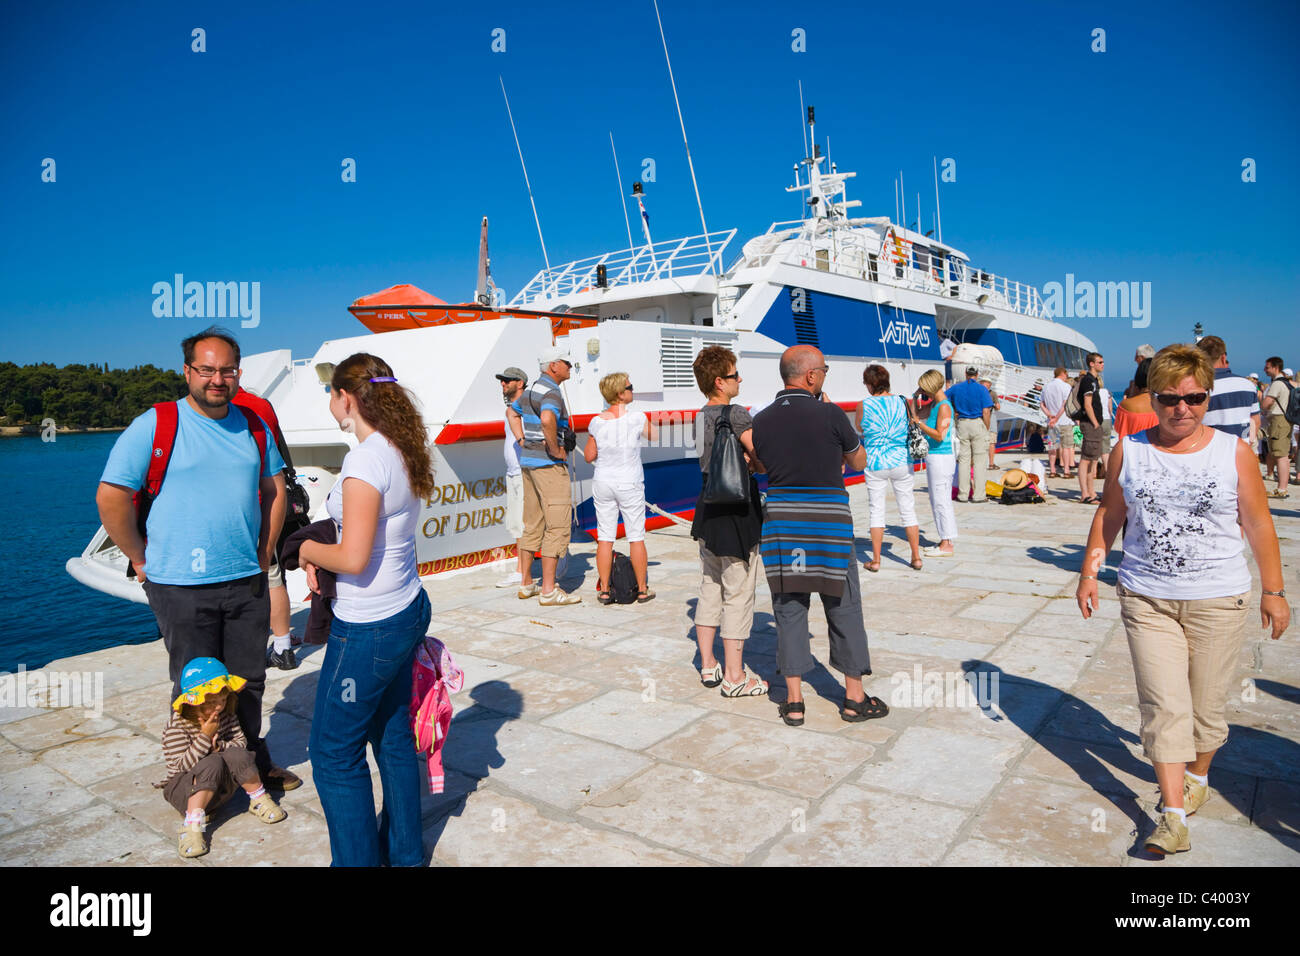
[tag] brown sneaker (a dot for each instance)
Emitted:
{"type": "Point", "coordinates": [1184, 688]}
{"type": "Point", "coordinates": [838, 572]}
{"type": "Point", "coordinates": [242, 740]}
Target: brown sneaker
{"type": "Point", "coordinates": [1170, 836]}
{"type": "Point", "coordinates": [277, 778]}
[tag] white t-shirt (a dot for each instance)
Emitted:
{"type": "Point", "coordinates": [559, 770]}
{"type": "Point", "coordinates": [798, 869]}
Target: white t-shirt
{"type": "Point", "coordinates": [1105, 403]}
{"type": "Point", "coordinates": [1055, 393]}
{"type": "Point", "coordinates": [390, 582]}
{"type": "Point", "coordinates": [618, 447]}
{"type": "Point", "coordinates": [512, 450]}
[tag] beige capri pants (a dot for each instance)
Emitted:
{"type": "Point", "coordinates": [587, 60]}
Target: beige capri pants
{"type": "Point", "coordinates": [727, 594]}
{"type": "Point", "coordinates": [1185, 659]}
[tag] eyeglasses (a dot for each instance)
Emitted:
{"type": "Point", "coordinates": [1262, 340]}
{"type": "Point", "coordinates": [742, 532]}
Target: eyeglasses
{"type": "Point", "coordinates": [1171, 401]}
{"type": "Point", "coordinates": [207, 371]}
{"type": "Point", "coordinates": [627, 387]}
{"type": "Point", "coordinates": [732, 375]}
{"type": "Point", "coordinates": [821, 368]}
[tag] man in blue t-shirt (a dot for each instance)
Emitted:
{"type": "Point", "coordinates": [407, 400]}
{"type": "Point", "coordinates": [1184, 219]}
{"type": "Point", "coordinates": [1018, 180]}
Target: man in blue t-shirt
{"type": "Point", "coordinates": [973, 406]}
{"type": "Point", "coordinates": [210, 531]}
{"type": "Point", "coordinates": [542, 419]}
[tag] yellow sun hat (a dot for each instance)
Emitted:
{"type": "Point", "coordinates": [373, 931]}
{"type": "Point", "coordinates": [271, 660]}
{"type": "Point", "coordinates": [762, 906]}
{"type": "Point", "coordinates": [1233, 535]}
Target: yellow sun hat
{"type": "Point", "coordinates": [203, 676]}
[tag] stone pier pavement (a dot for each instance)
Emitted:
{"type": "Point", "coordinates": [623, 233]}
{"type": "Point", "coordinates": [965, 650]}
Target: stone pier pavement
{"type": "Point", "coordinates": [583, 734]}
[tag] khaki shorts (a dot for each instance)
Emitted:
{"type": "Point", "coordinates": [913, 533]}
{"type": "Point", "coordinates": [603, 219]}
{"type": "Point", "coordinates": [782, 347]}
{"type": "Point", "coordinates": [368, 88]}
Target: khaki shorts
{"type": "Point", "coordinates": [727, 594]}
{"type": "Point", "coordinates": [1092, 440]}
{"type": "Point", "coordinates": [274, 575]}
{"type": "Point", "coordinates": [1278, 431]}
{"type": "Point", "coordinates": [1065, 432]}
{"type": "Point", "coordinates": [548, 511]}
{"type": "Point", "coordinates": [1185, 659]}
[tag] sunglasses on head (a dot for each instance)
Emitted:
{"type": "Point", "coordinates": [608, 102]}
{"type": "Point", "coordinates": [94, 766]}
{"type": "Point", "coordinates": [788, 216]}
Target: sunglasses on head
{"type": "Point", "coordinates": [1171, 401]}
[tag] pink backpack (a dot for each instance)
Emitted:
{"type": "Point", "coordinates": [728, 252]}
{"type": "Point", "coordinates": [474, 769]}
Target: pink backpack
{"type": "Point", "coordinates": [434, 678]}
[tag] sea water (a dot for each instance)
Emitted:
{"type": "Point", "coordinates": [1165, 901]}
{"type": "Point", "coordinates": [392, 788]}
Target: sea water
{"type": "Point", "coordinates": [47, 515]}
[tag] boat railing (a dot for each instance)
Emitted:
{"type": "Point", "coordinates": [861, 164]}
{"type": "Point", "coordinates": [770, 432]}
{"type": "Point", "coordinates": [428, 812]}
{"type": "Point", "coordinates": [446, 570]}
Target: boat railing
{"type": "Point", "coordinates": [859, 254]}
{"type": "Point", "coordinates": [668, 259]}
{"type": "Point", "coordinates": [1019, 389]}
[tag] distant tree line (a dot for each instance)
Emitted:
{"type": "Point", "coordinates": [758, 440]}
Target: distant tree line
{"type": "Point", "coordinates": [83, 396]}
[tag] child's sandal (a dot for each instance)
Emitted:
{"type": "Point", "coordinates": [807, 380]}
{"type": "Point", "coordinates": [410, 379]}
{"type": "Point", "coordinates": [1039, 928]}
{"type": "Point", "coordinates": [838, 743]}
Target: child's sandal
{"type": "Point", "coordinates": [193, 841]}
{"type": "Point", "coordinates": [267, 810]}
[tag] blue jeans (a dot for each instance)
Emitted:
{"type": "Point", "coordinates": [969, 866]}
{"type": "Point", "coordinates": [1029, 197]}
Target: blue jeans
{"type": "Point", "coordinates": [364, 695]}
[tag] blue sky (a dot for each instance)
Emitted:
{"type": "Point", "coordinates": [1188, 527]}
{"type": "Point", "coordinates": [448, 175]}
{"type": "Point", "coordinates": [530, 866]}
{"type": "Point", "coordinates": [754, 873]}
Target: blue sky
{"type": "Point", "coordinates": [225, 165]}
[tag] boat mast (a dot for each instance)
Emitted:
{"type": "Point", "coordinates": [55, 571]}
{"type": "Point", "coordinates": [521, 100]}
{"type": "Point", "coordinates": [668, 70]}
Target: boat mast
{"type": "Point", "coordinates": [938, 216]}
{"type": "Point", "coordinates": [621, 201]}
{"type": "Point", "coordinates": [690, 164]}
{"type": "Point", "coordinates": [545, 258]}
{"type": "Point", "coordinates": [486, 291]}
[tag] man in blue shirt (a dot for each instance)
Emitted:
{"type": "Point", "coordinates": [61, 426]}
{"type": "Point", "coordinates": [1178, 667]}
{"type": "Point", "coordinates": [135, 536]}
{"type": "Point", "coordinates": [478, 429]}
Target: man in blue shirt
{"type": "Point", "coordinates": [541, 418]}
{"type": "Point", "coordinates": [973, 406]}
{"type": "Point", "coordinates": [210, 531]}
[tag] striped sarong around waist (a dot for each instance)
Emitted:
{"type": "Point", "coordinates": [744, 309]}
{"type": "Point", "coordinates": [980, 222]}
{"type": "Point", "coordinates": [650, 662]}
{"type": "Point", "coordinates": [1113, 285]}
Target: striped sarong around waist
{"type": "Point", "coordinates": [807, 540]}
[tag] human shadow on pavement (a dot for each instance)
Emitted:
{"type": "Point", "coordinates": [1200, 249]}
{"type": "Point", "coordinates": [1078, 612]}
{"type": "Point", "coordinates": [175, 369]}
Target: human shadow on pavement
{"type": "Point", "coordinates": [470, 754]}
{"type": "Point", "coordinates": [1089, 743]}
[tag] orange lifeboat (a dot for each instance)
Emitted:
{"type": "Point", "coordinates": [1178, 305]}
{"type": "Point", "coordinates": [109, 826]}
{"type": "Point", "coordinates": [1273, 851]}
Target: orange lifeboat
{"type": "Point", "coordinates": [410, 307]}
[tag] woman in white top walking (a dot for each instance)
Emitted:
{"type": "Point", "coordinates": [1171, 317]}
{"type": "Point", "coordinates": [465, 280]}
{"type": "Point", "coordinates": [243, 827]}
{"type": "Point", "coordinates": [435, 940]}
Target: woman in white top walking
{"type": "Point", "coordinates": [381, 614]}
{"type": "Point", "coordinates": [1187, 492]}
{"type": "Point", "coordinates": [614, 445]}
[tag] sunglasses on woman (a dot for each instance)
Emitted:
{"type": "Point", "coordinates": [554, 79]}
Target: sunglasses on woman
{"type": "Point", "coordinates": [1171, 401]}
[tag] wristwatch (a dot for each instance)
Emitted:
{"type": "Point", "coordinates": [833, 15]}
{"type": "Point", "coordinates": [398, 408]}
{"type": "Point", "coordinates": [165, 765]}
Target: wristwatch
{"type": "Point", "coordinates": [1280, 594]}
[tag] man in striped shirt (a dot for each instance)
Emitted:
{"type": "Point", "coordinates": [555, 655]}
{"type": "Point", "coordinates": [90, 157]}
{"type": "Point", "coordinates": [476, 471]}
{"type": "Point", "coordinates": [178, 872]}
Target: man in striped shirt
{"type": "Point", "coordinates": [1234, 402]}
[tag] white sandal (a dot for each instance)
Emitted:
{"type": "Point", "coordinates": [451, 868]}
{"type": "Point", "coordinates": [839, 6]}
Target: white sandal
{"type": "Point", "coordinates": [713, 677]}
{"type": "Point", "coordinates": [745, 687]}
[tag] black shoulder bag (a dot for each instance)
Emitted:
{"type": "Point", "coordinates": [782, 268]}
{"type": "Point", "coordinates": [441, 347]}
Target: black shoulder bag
{"type": "Point", "coordinates": [728, 477]}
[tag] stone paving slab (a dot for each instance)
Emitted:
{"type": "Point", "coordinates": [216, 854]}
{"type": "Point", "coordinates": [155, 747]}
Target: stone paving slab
{"type": "Point", "coordinates": [584, 736]}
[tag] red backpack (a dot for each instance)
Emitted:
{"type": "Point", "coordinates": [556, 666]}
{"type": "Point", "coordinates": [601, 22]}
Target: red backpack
{"type": "Point", "coordinates": [164, 438]}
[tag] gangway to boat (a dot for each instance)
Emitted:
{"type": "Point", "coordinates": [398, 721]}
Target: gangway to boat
{"type": "Point", "coordinates": [1019, 390]}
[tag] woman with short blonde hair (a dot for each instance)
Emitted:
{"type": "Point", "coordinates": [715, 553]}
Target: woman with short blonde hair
{"type": "Point", "coordinates": [618, 485]}
{"type": "Point", "coordinates": [1188, 492]}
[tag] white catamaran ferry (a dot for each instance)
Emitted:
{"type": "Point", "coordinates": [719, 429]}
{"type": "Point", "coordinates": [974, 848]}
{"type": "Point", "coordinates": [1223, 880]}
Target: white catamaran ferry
{"type": "Point", "coordinates": [860, 289]}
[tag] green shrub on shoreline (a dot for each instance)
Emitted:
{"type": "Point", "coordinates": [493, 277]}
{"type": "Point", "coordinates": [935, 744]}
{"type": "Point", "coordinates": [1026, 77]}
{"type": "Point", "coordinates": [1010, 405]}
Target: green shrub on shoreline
{"type": "Point", "coordinates": [83, 396]}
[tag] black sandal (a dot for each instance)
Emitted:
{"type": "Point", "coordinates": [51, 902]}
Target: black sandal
{"type": "Point", "coordinates": [788, 708]}
{"type": "Point", "coordinates": [602, 595]}
{"type": "Point", "coordinates": [867, 709]}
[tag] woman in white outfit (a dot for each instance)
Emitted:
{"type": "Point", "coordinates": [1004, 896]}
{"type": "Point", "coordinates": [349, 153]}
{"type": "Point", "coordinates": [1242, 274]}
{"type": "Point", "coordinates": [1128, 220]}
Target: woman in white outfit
{"type": "Point", "coordinates": [881, 420]}
{"type": "Point", "coordinates": [934, 416]}
{"type": "Point", "coordinates": [1188, 493]}
{"type": "Point", "coordinates": [614, 445]}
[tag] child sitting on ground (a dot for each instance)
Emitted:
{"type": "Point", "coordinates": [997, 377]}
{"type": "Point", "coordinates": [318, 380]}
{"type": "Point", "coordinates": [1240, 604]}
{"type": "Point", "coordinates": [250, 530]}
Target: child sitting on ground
{"type": "Point", "coordinates": [207, 754]}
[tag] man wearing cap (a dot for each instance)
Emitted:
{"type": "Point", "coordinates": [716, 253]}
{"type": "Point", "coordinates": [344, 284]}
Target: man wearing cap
{"type": "Point", "coordinates": [973, 406]}
{"type": "Point", "coordinates": [1234, 403]}
{"type": "Point", "coordinates": [1277, 428]}
{"type": "Point", "coordinates": [513, 381]}
{"type": "Point", "coordinates": [548, 502]}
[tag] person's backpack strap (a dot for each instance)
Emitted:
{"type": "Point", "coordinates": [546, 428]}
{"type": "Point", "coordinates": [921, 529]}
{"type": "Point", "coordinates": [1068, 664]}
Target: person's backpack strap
{"type": "Point", "coordinates": [164, 439]}
{"type": "Point", "coordinates": [166, 421]}
{"type": "Point", "coordinates": [258, 428]}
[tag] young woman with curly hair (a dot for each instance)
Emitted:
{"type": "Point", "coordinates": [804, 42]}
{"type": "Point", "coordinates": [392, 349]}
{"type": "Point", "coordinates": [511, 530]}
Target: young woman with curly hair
{"type": "Point", "coordinates": [380, 617]}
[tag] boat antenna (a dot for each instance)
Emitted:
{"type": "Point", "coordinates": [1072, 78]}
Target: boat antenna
{"type": "Point", "coordinates": [545, 258]}
{"type": "Point", "coordinates": [918, 212]}
{"type": "Point", "coordinates": [621, 200]}
{"type": "Point", "coordinates": [902, 189]}
{"type": "Point", "coordinates": [691, 165]}
{"type": "Point", "coordinates": [938, 216]}
{"type": "Point", "coordinates": [895, 199]}
{"type": "Point", "coordinates": [802, 128]}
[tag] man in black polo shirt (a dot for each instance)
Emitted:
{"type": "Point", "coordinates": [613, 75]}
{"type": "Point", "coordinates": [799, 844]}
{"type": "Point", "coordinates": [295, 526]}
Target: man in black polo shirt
{"type": "Point", "coordinates": [808, 532]}
{"type": "Point", "coordinates": [1090, 424]}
